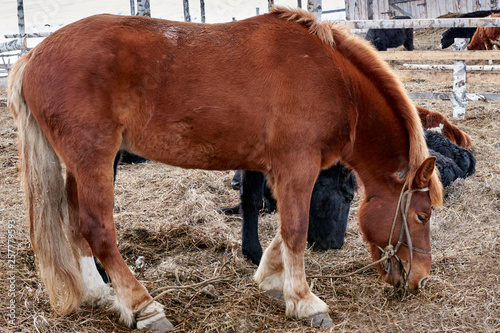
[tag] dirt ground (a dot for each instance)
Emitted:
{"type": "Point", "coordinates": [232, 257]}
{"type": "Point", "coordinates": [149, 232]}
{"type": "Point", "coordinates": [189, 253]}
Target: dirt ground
{"type": "Point", "coordinates": [169, 216]}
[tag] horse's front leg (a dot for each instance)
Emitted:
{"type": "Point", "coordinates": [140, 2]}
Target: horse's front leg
{"type": "Point", "coordinates": [282, 265]}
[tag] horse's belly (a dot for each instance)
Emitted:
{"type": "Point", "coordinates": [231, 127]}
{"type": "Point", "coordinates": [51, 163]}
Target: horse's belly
{"type": "Point", "coordinates": [205, 138]}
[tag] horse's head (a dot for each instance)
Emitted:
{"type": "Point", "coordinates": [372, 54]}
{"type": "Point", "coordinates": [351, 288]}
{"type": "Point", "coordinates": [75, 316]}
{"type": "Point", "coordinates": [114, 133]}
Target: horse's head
{"type": "Point", "coordinates": [401, 218]}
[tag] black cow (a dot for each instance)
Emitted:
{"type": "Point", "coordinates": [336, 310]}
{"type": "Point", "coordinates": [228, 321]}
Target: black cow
{"type": "Point", "coordinates": [254, 188]}
{"type": "Point", "coordinates": [448, 37]}
{"type": "Point", "coordinates": [383, 39]}
{"type": "Point", "coordinates": [330, 204]}
{"type": "Point", "coordinates": [124, 157]}
{"type": "Point", "coordinates": [452, 160]}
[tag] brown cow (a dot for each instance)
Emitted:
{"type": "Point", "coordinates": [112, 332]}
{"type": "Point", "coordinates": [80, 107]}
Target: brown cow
{"type": "Point", "coordinates": [432, 120]}
{"type": "Point", "coordinates": [486, 38]}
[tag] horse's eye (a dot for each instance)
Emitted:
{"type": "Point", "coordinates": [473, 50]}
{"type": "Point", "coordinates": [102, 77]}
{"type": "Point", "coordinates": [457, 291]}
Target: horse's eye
{"type": "Point", "coordinates": [422, 218]}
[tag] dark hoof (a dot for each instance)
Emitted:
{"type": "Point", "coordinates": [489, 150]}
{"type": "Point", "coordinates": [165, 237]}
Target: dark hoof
{"type": "Point", "coordinates": [159, 326]}
{"type": "Point", "coordinates": [254, 255]}
{"type": "Point", "coordinates": [321, 319]}
{"type": "Point", "coordinates": [230, 210]}
{"type": "Point", "coordinates": [162, 325]}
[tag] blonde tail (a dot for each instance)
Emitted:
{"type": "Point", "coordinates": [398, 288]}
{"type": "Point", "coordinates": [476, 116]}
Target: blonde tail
{"type": "Point", "coordinates": [47, 207]}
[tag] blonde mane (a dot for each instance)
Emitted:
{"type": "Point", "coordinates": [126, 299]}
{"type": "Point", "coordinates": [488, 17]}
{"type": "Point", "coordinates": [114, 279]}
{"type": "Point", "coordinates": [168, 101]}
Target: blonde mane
{"type": "Point", "coordinates": [365, 57]}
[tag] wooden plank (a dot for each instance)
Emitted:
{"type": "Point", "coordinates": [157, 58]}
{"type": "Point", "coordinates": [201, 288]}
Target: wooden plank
{"type": "Point", "coordinates": [29, 35]}
{"type": "Point", "coordinates": [487, 68]}
{"type": "Point", "coordinates": [419, 9]}
{"type": "Point", "coordinates": [13, 45]}
{"type": "Point", "coordinates": [447, 96]}
{"type": "Point", "coordinates": [424, 75]}
{"type": "Point", "coordinates": [422, 23]}
{"type": "Point", "coordinates": [440, 55]}
{"type": "Point", "coordinates": [442, 76]}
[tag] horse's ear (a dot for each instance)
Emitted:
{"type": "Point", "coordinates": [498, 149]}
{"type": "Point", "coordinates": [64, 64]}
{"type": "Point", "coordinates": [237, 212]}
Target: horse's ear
{"type": "Point", "coordinates": [424, 173]}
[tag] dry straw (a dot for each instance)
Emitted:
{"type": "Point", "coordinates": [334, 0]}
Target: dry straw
{"type": "Point", "coordinates": [169, 217]}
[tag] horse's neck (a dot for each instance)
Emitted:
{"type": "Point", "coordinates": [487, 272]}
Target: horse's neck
{"type": "Point", "coordinates": [381, 145]}
{"type": "Point", "coordinates": [380, 183]}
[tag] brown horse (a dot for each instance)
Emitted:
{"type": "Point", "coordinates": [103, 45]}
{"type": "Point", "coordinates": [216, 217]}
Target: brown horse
{"type": "Point", "coordinates": [305, 95]}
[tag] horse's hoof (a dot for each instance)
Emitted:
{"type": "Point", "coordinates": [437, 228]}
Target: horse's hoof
{"type": "Point", "coordinates": [278, 294]}
{"type": "Point", "coordinates": [152, 319]}
{"type": "Point", "coordinates": [321, 319]}
{"type": "Point", "coordinates": [160, 326]}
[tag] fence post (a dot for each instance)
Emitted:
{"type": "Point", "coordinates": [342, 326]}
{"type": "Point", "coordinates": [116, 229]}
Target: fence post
{"type": "Point", "coordinates": [132, 7]}
{"type": "Point", "coordinates": [202, 9]}
{"type": "Point", "coordinates": [143, 8]}
{"type": "Point", "coordinates": [14, 45]}
{"type": "Point", "coordinates": [187, 17]}
{"type": "Point", "coordinates": [20, 17]}
{"type": "Point", "coordinates": [458, 97]}
{"type": "Point", "coordinates": [315, 7]}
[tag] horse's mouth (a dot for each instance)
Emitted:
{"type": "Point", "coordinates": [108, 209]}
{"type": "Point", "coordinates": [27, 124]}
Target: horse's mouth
{"type": "Point", "coordinates": [396, 274]}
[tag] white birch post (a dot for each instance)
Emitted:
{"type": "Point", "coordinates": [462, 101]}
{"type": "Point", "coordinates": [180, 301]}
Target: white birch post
{"type": "Point", "coordinates": [270, 3]}
{"type": "Point", "coordinates": [29, 35]}
{"type": "Point", "coordinates": [20, 17]}
{"type": "Point", "coordinates": [143, 8]}
{"type": "Point", "coordinates": [187, 17]}
{"type": "Point", "coordinates": [202, 10]}
{"type": "Point", "coordinates": [132, 7]}
{"type": "Point", "coordinates": [315, 7]}
{"type": "Point", "coordinates": [14, 45]}
{"type": "Point", "coordinates": [459, 94]}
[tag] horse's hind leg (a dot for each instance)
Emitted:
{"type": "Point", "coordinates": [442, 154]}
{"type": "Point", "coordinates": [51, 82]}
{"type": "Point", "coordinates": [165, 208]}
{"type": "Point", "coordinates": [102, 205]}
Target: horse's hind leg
{"type": "Point", "coordinates": [95, 199]}
{"type": "Point", "coordinates": [282, 265]}
{"type": "Point", "coordinates": [95, 291]}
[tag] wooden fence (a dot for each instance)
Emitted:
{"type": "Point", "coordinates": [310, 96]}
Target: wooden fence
{"type": "Point", "coordinates": [433, 73]}
{"type": "Point", "coordinates": [417, 9]}
{"type": "Point", "coordinates": [458, 95]}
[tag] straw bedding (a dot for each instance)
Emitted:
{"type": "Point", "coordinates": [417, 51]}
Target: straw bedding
{"type": "Point", "coordinates": [170, 234]}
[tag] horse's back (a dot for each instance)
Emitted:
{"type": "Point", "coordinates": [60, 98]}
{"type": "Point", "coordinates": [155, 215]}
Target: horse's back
{"type": "Point", "coordinates": [190, 89]}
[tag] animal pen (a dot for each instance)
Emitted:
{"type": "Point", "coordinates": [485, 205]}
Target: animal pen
{"type": "Point", "coordinates": [435, 73]}
{"type": "Point", "coordinates": [465, 283]}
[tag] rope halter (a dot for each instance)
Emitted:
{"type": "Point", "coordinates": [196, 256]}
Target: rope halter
{"type": "Point", "coordinates": [390, 251]}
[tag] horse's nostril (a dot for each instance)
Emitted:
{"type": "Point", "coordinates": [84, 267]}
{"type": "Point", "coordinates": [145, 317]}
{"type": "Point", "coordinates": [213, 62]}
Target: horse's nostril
{"type": "Point", "coordinates": [422, 282]}
{"type": "Point", "coordinates": [412, 291]}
